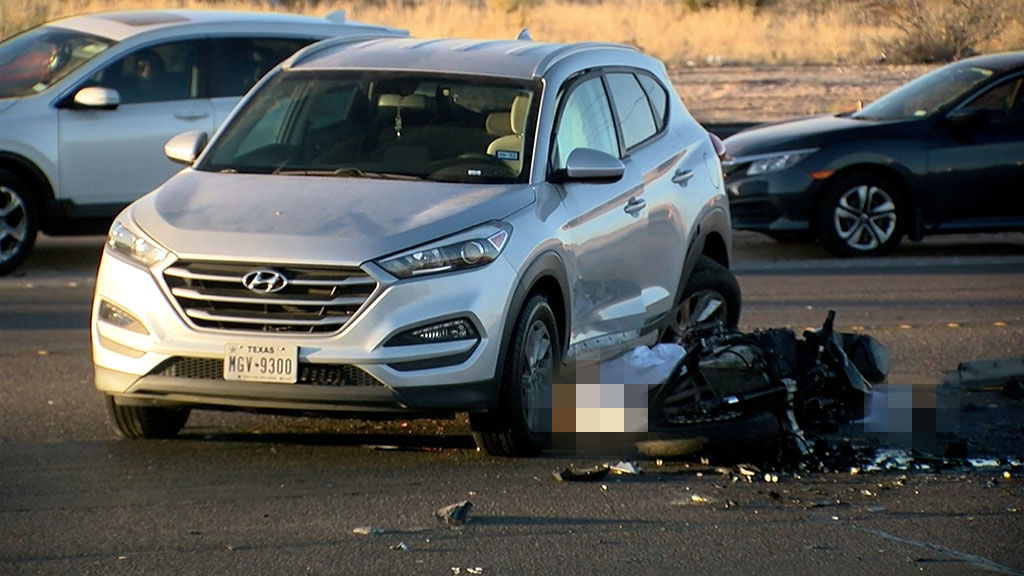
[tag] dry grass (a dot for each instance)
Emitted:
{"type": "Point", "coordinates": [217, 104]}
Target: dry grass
{"type": "Point", "coordinates": [787, 32]}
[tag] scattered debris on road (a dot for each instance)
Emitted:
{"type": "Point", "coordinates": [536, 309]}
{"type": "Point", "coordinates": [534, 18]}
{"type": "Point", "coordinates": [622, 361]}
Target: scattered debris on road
{"type": "Point", "coordinates": [455, 514]}
{"type": "Point", "coordinates": [368, 530]}
{"type": "Point", "coordinates": [573, 474]}
{"type": "Point", "coordinates": [597, 473]}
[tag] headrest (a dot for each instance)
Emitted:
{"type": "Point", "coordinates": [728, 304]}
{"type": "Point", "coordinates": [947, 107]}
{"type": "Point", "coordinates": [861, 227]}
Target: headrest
{"type": "Point", "coordinates": [499, 123]}
{"type": "Point", "coordinates": [520, 110]}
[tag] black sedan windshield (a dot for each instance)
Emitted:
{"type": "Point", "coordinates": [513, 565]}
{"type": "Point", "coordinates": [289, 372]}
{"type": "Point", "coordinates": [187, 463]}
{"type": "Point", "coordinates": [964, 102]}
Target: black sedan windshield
{"type": "Point", "coordinates": [926, 95]}
{"type": "Point", "coordinates": [33, 61]}
{"type": "Point", "coordinates": [381, 124]}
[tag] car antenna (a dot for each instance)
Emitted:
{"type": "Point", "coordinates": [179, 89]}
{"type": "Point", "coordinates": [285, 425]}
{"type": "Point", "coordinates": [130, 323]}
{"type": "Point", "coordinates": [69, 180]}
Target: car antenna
{"type": "Point", "coordinates": [337, 16]}
{"type": "Point", "coordinates": [524, 34]}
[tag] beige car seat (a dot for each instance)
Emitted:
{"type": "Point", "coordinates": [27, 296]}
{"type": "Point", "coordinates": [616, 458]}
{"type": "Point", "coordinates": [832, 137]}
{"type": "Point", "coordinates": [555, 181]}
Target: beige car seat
{"type": "Point", "coordinates": [509, 148]}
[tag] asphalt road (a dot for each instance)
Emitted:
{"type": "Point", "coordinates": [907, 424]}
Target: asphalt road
{"type": "Point", "coordinates": [242, 493]}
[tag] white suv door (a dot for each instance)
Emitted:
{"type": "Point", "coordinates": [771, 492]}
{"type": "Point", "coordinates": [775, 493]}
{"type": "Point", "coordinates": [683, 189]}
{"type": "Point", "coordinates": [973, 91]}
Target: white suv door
{"type": "Point", "coordinates": [160, 92]}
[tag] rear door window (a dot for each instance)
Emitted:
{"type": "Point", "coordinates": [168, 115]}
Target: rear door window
{"type": "Point", "coordinates": [632, 109]}
{"type": "Point", "coordinates": [236, 64]}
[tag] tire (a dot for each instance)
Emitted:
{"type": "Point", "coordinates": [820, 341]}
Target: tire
{"type": "Point", "coordinates": [861, 215]}
{"type": "Point", "coordinates": [710, 294]}
{"type": "Point", "coordinates": [136, 422]}
{"type": "Point", "coordinates": [521, 423]}
{"type": "Point", "coordinates": [751, 433]}
{"type": "Point", "coordinates": [19, 221]}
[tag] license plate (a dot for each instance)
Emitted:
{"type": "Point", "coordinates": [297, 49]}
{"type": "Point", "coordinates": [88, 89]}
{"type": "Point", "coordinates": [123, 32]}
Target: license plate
{"type": "Point", "coordinates": [261, 363]}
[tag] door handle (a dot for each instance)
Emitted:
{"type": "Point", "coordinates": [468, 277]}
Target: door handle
{"type": "Point", "coordinates": [682, 177]}
{"type": "Point", "coordinates": [635, 205]}
{"type": "Point", "coordinates": [191, 115]}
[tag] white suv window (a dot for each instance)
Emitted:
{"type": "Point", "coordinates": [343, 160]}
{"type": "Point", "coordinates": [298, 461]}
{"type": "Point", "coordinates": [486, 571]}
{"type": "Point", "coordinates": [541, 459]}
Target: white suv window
{"type": "Point", "coordinates": [153, 74]}
{"type": "Point", "coordinates": [585, 122]}
{"type": "Point", "coordinates": [237, 63]}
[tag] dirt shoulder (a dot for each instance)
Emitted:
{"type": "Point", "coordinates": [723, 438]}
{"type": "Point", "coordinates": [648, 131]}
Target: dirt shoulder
{"type": "Point", "coordinates": [741, 94]}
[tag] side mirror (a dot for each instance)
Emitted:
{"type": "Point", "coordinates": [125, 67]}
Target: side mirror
{"type": "Point", "coordinates": [185, 147]}
{"type": "Point", "coordinates": [589, 165]}
{"type": "Point", "coordinates": [97, 97]}
{"type": "Point", "coordinates": [969, 118]}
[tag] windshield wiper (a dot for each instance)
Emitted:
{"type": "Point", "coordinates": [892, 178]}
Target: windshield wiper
{"type": "Point", "coordinates": [347, 172]}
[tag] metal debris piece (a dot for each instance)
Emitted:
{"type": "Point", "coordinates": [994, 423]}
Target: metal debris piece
{"type": "Point", "coordinates": [573, 474]}
{"type": "Point", "coordinates": [624, 468]}
{"type": "Point", "coordinates": [983, 462]}
{"type": "Point", "coordinates": [380, 447]}
{"type": "Point", "coordinates": [400, 547]}
{"type": "Point", "coordinates": [367, 530]}
{"type": "Point", "coordinates": [475, 570]}
{"type": "Point", "coordinates": [455, 514]}
{"type": "Point", "coordinates": [891, 459]}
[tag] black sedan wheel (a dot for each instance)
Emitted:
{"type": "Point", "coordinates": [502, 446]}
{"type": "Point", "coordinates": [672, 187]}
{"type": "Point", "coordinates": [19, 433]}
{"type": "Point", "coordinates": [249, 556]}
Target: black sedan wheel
{"type": "Point", "coordinates": [860, 216]}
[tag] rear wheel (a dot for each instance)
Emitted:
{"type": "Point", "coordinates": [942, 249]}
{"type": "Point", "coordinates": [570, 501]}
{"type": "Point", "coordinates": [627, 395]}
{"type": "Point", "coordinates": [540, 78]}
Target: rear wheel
{"type": "Point", "coordinates": [711, 294]}
{"type": "Point", "coordinates": [146, 421]}
{"type": "Point", "coordinates": [19, 221]}
{"type": "Point", "coordinates": [861, 215]}
{"type": "Point", "coordinates": [521, 423]}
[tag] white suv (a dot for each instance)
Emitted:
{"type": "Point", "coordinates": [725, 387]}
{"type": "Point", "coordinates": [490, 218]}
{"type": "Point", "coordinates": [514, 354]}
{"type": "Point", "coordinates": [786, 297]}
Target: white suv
{"type": "Point", "coordinates": [86, 104]}
{"type": "Point", "coordinates": [399, 227]}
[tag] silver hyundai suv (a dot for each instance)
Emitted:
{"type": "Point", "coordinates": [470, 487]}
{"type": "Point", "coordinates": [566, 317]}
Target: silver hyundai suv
{"type": "Point", "coordinates": [403, 227]}
{"type": "Point", "coordinates": [87, 103]}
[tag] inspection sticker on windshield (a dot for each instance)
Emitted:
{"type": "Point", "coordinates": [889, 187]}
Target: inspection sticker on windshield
{"type": "Point", "coordinates": [261, 362]}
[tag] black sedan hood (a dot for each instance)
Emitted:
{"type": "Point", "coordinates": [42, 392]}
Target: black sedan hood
{"type": "Point", "coordinates": [810, 132]}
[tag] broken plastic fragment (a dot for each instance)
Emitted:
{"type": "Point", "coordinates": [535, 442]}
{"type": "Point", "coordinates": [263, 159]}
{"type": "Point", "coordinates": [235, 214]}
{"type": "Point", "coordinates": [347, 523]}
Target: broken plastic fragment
{"type": "Point", "coordinates": [983, 462]}
{"type": "Point", "coordinates": [455, 514]}
{"type": "Point", "coordinates": [624, 468]}
{"type": "Point", "coordinates": [573, 474]}
{"type": "Point", "coordinates": [400, 547]}
{"type": "Point", "coordinates": [367, 530]}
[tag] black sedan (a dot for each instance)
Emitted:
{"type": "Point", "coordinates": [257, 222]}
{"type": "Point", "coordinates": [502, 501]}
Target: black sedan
{"type": "Point", "coordinates": [943, 153]}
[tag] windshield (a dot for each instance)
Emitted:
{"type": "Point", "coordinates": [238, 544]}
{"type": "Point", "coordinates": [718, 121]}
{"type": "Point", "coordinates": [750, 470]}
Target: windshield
{"type": "Point", "coordinates": [923, 97]}
{"type": "Point", "coordinates": [35, 60]}
{"type": "Point", "coordinates": [382, 124]}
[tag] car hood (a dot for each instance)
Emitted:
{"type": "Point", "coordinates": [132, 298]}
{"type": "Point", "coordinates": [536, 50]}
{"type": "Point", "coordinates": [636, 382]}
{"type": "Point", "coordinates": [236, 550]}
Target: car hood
{"type": "Point", "coordinates": [810, 132]}
{"type": "Point", "coordinates": [6, 103]}
{"type": "Point", "coordinates": [317, 220]}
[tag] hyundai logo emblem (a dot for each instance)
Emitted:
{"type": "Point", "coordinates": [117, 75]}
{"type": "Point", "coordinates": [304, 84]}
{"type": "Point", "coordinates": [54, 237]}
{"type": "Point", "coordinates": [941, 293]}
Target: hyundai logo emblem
{"type": "Point", "coordinates": [265, 281]}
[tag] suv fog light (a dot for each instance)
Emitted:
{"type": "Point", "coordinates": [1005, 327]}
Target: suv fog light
{"type": "Point", "coordinates": [447, 331]}
{"type": "Point", "coordinates": [113, 315]}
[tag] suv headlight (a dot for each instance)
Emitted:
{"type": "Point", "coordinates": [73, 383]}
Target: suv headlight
{"type": "Point", "coordinates": [128, 241]}
{"type": "Point", "coordinates": [763, 164]}
{"type": "Point", "coordinates": [471, 249]}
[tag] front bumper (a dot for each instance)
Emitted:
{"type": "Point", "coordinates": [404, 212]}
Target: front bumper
{"type": "Point", "coordinates": [774, 202]}
{"type": "Point", "coordinates": [172, 362]}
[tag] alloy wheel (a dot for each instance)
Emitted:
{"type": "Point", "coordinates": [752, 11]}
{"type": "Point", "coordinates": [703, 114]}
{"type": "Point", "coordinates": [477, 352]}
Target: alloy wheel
{"type": "Point", "coordinates": [536, 377]}
{"type": "Point", "coordinates": [13, 223]}
{"type": "Point", "coordinates": [865, 217]}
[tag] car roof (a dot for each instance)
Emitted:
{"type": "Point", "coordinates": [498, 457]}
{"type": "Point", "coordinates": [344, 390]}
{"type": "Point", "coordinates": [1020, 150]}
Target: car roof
{"type": "Point", "coordinates": [506, 58]}
{"type": "Point", "coordinates": [1000, 62]}
{"type": "Point", "coordinates": [125, 24]}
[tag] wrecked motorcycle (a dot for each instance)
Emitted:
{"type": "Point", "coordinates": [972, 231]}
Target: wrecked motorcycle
{"type": "Point", "coordinates": [769, 388]}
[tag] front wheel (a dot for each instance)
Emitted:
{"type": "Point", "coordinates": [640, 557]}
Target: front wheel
{"type": "Point", "coordinates": [19, 221]}
{"type": "Point", "coordinates": [146, 421]}
{"type": "Point", "coordinates": [521, 423]}
{"type": "Point", "coordinates": [860, 215]}
{"type": "Point", "coordinates": [711, 294]}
